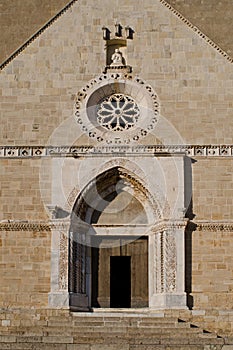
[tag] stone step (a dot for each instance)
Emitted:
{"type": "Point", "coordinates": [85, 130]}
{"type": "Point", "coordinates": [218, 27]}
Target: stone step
{"type": "Point", "coordinates": [104, 329]}
{"type": "Point", "coordinates": [105, 333]}
{"type": "Point", "coordinates": [123, 316]}
{"type": "Point", "coordinates": [145, 330]}
{"type": "Point", "coordinates": [119, 325]}
{"type": "Point", "coordinates": [58, 346]}
{"type": "Point", "coordinates": [121, 321]}
{"type": "Point", "coordinates": [66, 343]}
{"type": "Point", "coordinates": [79, 320]}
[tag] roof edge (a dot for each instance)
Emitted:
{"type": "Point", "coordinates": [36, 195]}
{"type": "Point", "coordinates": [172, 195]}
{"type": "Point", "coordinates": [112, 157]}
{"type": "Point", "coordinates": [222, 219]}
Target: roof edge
{"type": "Point", "coordinates": [37, 34]}
{"type": "Point", "coordinates": [197, 30]}
{"type": "Point", "coordinates": [72, 2]}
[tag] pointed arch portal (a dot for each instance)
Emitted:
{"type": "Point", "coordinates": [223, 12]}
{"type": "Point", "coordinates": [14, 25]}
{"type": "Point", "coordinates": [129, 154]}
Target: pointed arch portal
{"type": "Point", "coordinates": [108, 264]}
{"type": "Point", "coordinates": [123, 247]}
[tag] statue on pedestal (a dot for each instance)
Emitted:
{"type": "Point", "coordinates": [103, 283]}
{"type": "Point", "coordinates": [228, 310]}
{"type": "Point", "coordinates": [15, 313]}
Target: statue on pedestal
{"type": "Point", "coordinates": [117, 59]}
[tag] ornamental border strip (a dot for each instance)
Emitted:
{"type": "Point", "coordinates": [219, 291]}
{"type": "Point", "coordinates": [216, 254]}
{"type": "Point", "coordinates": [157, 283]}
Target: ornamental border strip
{"type": "Point", "coordinates": [24, 152]}
{"type": "Point", "coordinates": [214, 227]}
{"type": "Point", "coordinates": [61, 226]}
{"type": "Point", "coordinates": [33, 226]}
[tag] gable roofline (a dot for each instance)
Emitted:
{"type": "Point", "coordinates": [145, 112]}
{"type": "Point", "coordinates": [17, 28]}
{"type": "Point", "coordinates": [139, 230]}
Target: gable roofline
{"type": "Point", "coordinates": [197, 30]}
{"type": "Point", "coordinates": [37, 34]}
{"type": "Point", "coordinates": [72, 2]}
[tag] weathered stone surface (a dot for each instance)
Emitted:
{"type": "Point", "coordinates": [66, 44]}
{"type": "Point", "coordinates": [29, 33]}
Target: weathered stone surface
{"type": "Point", "coordinates": [191, 92]}
{"type": "Point", "coordinates": [20, 21]}
{"type": "Point", "coordinates": [210, 17]}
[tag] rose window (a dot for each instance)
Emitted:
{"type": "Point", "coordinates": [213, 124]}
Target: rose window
{"type": "Point", "coordinates": [117, 112]}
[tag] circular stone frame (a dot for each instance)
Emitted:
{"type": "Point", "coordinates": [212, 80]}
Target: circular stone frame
{"type": "Point", "coordinates": [91, 96]}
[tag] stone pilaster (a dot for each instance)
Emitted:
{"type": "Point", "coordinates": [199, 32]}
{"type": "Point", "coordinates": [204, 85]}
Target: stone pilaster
{"type": "Point", "coordinates": [167, 266]}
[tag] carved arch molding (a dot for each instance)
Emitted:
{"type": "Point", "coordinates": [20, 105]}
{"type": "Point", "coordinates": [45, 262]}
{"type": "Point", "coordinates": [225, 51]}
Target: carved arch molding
{"type": "Point", "coordinates": [72, 254]}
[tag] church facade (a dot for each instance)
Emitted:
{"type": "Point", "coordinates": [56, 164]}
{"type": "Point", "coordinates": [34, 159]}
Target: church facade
{"type": "Point", "coordinates": [116, 166]}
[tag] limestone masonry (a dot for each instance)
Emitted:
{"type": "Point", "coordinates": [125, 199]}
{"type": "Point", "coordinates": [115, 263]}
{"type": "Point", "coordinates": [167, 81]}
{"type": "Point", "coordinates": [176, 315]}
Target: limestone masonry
{"type": "Point", "coordinates": [116, 211]}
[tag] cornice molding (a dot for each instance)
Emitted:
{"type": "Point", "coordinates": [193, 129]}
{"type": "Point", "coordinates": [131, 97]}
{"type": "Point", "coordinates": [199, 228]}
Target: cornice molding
{"type": "Point", "coordinates": [170, 225]}
{"type": "Point", "coordinates": [64, 225]}
{"type": "Point", "coordinates": [24, 152]}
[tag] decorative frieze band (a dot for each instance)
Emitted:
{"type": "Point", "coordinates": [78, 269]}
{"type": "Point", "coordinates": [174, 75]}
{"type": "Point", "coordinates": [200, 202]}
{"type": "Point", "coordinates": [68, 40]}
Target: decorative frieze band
{"type": "Point", "coordinates": [165, 225]}
{"type": "Point", "coordinates": [64, 225]}
{"type": "Point", "coordinates": [116, 150]}
{"type": "Point", "coordinates": [214, 226]}
{"type": "Point", "coordinates": [33, 226]}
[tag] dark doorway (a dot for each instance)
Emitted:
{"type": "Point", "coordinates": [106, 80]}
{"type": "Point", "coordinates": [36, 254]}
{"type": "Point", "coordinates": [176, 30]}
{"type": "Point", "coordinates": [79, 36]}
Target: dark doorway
{"type": "Point", "coordinates": [120, 281]}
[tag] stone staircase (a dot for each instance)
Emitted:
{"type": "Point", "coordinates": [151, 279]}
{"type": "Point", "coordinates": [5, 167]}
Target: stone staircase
{"type": "Point", "coordinates": [122, 330]}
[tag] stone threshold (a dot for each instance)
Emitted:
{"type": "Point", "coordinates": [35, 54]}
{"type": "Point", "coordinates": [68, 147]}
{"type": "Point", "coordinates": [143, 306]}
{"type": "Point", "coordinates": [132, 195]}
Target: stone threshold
{"type": "Point", "coordinates": [121, 312]}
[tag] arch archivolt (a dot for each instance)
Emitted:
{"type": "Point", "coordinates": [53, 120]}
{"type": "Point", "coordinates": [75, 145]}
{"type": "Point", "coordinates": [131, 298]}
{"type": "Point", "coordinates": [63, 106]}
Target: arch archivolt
{"type": "Point", "coordinates": [165, 243]}
{"type": "Point", "coordinates": [117, 178]}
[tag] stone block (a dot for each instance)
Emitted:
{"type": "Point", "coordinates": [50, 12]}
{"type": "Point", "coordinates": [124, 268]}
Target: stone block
{"type": "Point", "coordinates": [7, 339]}
{"type": "Point", "coordinates": [78, 347]}
{"type": "Point", "coordinates": [29, 339]}
{"type": "Point", "coordinates": [57, 339]}
{"type": "Point", "coordinates": [109, 347]}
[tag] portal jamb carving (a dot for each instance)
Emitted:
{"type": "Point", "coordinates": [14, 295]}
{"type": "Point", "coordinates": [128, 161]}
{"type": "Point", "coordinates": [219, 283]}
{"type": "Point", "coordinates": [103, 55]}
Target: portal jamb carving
{"type": "Point", "coordinates": [166, 265]}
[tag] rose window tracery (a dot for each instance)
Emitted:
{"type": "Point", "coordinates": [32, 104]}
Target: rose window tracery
{"type": "Point", "coordinates": [118, 112]}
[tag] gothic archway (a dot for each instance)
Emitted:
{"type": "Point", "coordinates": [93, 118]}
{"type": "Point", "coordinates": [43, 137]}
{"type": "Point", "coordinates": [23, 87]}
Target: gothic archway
{"type": "Point", "coordinates": [111, 212]}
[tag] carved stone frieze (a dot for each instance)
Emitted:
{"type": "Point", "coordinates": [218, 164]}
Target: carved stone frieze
{"type": "Point", "coordinates": [98, 188]}
{"type": "Point", "coordinates": [63, 262]}
{"type": "Point", "coordinates": [169, 261]}
{"type": "Point", "coordinates": [71, 198]}
{"type": "Point", "coordinates": [165, 264]}
{"type": "Point", "coordinates": [115, 150]}
{"type": "Point", "coordinates": [157, 263]}
{"type": "Point", "coordinates": [170, 225]}
{"type": "Point", "coordinates": [11, 225]}
{"type": "Point", "coordinates": [25, 226]}
{"type": "Point", "coordinates": [213, 226]}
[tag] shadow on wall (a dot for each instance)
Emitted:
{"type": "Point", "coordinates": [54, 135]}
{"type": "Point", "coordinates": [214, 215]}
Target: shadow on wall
{"type": "Point", "coordinates": [191, 227]}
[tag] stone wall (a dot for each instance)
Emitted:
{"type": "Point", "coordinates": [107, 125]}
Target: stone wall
{"type": "Point", "coordinates": [25, 268]}
{"type": "Point", "coordinates": [211, 17]}
{"type": "Point", "coordinates": [193, 80]}
{"type": "Point", "coordinates": [212, 274]}
{"type": "Point", "coordinates": [20, 22]}
{"type": "Point", "coordinates": [20, 190]}
{"type": "Point", "coordinates": [212, 188]}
